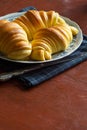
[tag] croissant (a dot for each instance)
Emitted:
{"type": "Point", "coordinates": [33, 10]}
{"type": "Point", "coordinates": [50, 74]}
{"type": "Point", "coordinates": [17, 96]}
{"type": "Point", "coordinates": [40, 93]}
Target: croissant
{"type": "Point", "coordinates": [34, 20]}
{"type": "Point", "coordinates": [35, 35]}
{"type": "Point", "coordinates": [50, 40]}
{"type": "Point", "coordinates": [13, 40]}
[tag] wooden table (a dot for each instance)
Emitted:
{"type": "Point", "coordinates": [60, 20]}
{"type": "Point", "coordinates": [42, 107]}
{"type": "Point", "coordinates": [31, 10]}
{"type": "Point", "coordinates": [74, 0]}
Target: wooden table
{"type": "Point", "coordinates": [57, 104]}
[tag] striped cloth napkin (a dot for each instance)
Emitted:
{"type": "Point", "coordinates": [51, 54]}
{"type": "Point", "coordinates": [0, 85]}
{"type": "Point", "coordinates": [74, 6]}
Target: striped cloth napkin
{"type": "Point", "coordinates": [38, 76]}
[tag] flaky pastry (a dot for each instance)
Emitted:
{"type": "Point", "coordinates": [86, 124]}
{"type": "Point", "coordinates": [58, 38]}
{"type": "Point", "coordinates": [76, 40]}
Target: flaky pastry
{"type": "Point", "coordinates": [35, 35]}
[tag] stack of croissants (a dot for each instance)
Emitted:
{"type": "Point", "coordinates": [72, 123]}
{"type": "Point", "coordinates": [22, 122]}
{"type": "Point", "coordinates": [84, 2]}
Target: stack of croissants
{"type": "Point", "coordinates": [36, 35]}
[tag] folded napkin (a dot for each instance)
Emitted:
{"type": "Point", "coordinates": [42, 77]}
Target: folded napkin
{"type": "Point", "coordinates": [38, 76]}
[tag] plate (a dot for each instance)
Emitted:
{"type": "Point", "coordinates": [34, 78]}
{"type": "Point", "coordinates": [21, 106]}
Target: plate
{"type": "Point", "coordinates": [76, 42]}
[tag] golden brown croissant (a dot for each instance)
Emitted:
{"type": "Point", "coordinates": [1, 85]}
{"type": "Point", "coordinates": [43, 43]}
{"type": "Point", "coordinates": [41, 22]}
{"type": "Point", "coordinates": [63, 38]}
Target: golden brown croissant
{"type": "Point", "coordinates": [50, 40]}
{"type": "Point", "coordinates": [36, 35]}
{"type": "Point", "coordinates": [47, 31]}
{"type": "Point", "coordinates": [34, 20]}
{"type": "Point", "coordinates": [13, 40]}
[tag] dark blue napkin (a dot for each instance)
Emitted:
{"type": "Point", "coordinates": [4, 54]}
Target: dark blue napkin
{"type": "Point", "coordinates": [38, 76]}
{"type": "Point", "coordinates": [27, 8]}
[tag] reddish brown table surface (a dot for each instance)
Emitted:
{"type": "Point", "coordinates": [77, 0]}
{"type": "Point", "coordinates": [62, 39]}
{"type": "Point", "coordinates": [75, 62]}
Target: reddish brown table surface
{"type": "Point", "coordinates": [57, 104]}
